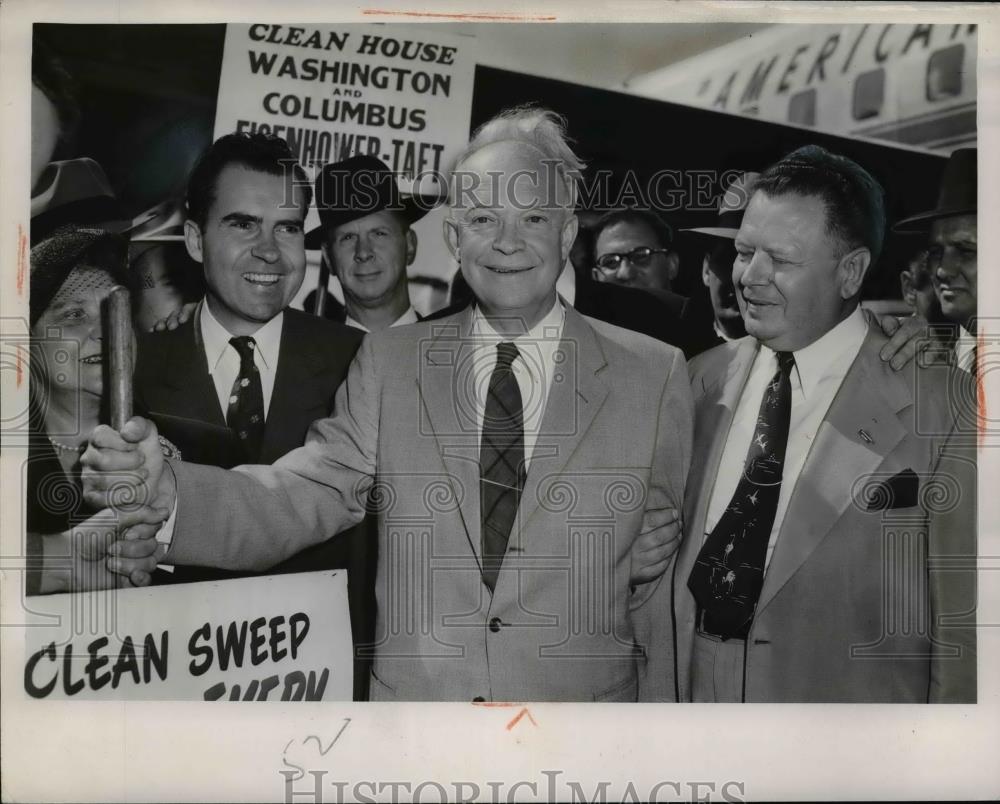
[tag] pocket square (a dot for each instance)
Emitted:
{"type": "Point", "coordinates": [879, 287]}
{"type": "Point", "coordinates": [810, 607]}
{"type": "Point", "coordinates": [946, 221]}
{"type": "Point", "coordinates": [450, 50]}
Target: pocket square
{"type": "Point", "coordinates": [899, 491]}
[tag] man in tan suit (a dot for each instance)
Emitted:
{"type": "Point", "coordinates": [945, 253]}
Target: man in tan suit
{"type": "Point", "coordinates": [513, 451]}
{"type": "Point", "coordinates": [818, 501]}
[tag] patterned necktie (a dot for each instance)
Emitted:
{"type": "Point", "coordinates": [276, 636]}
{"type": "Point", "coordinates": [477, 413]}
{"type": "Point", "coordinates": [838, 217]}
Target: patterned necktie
{"type": "Point", "coordinates": [501, 461]}
{"type": "Point", "coordinates": [729, 571]}
{"type": "Point", "coordinates": [245, 416]}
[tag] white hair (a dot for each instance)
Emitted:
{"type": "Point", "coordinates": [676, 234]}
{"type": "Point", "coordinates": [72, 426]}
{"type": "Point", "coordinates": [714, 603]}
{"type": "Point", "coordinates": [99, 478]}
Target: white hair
{"type": "Point", "coordinates": [542, 129]}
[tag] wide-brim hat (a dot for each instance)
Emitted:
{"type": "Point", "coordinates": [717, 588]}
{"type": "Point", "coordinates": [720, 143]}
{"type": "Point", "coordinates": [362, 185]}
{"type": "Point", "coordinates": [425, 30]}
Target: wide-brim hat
{"type": "Point", "coordinates": [732, 205]}
{"type": "Point", "coordinates": [359, 186]}
{"type": "Point", "coordinates": [163, 223]}
{"type": "Point", "coordinates": [957, 195]}
{"type": "Point", "coordinates": [55, 257]}
{"type": "Point", "coordinates": [75, 191]}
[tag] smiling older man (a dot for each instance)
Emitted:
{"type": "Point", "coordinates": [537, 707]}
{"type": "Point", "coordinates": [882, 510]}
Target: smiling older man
{"type": "Point", "coordinates": [516, 451]}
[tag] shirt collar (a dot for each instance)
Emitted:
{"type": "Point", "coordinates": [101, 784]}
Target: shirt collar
{"type": "Point", "coordinates": [963, 348]}
{"type": "Point", "coordinates": [215, 338]}
{"type": "Point", "coordinates": [409, 317]}
{"type": "Point", "coordinates": [832, 354]}
{"type": "Point", "coordinates": [550, 325]}
{"type": "Point", "coordinates": [721, 332]}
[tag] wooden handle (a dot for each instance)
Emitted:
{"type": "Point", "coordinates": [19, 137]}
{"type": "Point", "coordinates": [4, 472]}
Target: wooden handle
{"type": "Point", "coordinates": [119, 355]}
{"type": "Point", "coordinates": [319, 301]}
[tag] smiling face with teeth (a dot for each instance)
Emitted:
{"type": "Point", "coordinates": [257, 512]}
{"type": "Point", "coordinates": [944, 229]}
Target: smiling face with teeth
{"type": "Point", "coordinates": [251, 246]}
{"type": "Point", "coordinates": [512, 232]}
{"type": "Point", "coordinates": [72, 360]}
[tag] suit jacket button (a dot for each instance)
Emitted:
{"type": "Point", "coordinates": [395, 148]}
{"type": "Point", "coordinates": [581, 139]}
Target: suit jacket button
{"type": "Point", "coordinates": [495, 624]}
{"type": "Point", "coordinates": [479, 699]}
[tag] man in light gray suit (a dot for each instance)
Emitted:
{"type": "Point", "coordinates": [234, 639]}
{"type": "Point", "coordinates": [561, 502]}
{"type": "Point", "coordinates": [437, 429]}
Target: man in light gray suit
{"type": "Point", "coordinates": [825, 485]}
{"type": "Point", "coordinates": [515, 451]}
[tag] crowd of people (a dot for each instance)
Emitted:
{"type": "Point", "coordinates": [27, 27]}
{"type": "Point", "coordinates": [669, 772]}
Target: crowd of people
{"type": "Point", "coordinates": [736, 474]}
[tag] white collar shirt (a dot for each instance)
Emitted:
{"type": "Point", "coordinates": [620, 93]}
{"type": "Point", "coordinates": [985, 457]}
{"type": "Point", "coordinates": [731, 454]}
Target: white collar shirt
{"type": "Point", "coordinates": [819, 371]}
{"type": "Point", "coordinates": [409, 317]}
{"type": "Point", "coordinates": [224, 361]}
{"type": "Point", "coordinates": [965, 349]}
{"type": "Point", "coordinates": [533, 368]}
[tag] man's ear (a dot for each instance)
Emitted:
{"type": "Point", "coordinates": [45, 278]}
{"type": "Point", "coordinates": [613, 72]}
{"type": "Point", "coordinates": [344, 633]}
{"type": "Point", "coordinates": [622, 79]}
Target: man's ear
{"type": "Point", "coordinates": [570, 227]}
{"type": "Point", "coordinates": [192, 240]}
{"type": "Point", "coordinates": [411, 246]}
{"type": "Point", "coordinates": [705, 270]}
{"type": "Point", "coordinates": [451, 237]}
{"type": "Point", "coordinates": [852, 269]}
{"type": "Point", "coordinates": [673, 265]}
{"type": "Point", "coordinates": [906, 286]}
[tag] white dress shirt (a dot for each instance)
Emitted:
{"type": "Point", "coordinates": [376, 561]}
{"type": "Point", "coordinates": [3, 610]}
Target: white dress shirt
{"type": "Point", "coordinates": [820, 369]}
{"type": "Point", "coordinates": [965, 349]}
{"type": "Point", "coordinates": [224, 366]}
{"type": "Point", "coordinates": [533, 368]}
{"type": "Point", "coordinates": [409, 317]}
{"type": "Point", "coordinates": [224, 360]}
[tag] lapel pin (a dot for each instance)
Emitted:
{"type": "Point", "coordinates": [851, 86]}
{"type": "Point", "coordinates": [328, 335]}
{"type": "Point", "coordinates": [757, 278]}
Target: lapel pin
{"type": "Point", "coordinates": [864, 434]}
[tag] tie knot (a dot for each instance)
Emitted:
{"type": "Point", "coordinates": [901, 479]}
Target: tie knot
{"type": "Point", "coordinates": [506, 354]}
{"type": "Point", "coordinates": [244, 344]}
{"type": "Point", "coordinates": [786, 361]}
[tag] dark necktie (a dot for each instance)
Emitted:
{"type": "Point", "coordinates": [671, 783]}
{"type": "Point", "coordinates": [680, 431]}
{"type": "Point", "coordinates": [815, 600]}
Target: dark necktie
{"type": "Point", "coordinates": [501, 461]}
{"type": "Point", "coordinates": [729, 571]}
{"type": "Point", "coordinates": [245, 416]}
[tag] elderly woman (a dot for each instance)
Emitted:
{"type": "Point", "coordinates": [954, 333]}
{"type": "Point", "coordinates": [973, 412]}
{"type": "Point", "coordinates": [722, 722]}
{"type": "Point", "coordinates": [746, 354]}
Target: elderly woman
{"type": "Point", "coordinates": [72, 272]}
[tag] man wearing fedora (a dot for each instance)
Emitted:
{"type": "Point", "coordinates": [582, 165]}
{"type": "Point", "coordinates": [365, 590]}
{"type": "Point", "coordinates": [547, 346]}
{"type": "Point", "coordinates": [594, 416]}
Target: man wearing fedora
{"type": "Point", "coordinates": [952, 250]}
{"type": "Point", "coordinates": [242, 379]}
{"type": "Point", "coordinates": [718, 258]}
{"type": "Point", "coordinates": [366, 238]}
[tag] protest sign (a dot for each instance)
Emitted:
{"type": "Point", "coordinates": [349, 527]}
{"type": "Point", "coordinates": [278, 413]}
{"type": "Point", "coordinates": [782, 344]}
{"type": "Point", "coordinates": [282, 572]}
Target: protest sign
{"type": "Point", "coordinates": [278, 637]}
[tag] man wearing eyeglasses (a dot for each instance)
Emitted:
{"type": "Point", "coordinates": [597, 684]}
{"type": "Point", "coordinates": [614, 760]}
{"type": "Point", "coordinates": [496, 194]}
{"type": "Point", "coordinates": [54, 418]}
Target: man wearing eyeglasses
{"type": "Point", "coordinates": [632, 248]}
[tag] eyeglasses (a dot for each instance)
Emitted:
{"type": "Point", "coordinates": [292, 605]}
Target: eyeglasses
{"type": "Point", "coordinates": [639, 257]}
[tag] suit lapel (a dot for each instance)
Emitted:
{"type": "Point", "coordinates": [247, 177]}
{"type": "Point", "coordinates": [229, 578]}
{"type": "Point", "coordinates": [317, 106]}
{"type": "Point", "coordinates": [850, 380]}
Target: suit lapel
{"type": "Point", "coordinates": [448, 412]}
{"type": "Point", "coordinates": [839, 458]}
{"type": "Point", "coordinates": [715, 410]}
{"type": "Point", "coordinates": [573, 402]}
{"type": "Point", "coordinates": [294, 390]}
{"type": "Point", "coordinates": [186, 388]}
{"type": "Point", "coordinates": [715, 415]}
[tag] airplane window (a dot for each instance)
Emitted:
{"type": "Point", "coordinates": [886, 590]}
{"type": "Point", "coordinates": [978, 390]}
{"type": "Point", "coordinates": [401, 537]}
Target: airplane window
{"type": "Point", "coordinates": [944, 73]}
{"type": "Point", "coordinates": [869, 94]}
{"type": "Point", "coordinates": [802, 108]}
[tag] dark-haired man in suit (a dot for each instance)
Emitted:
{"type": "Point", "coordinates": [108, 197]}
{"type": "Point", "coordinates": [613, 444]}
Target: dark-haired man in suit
{"type": "Point", "coordinates": [242, 379]}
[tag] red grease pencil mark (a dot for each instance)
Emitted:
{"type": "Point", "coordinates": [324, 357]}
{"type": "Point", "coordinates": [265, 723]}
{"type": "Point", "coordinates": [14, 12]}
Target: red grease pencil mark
{"type": "Point", "coordinates": [440, 16]}
{"type": "Point", "coordinates": [504, 705]}
{"type": "Point", "coordinates": [22, 272]}
{"type": "Point", "coordinates": [521, 714]}
{"type": "Point", "coordinates": [22, 259]}
{"type": "Point", "coordinates": [980, 390]}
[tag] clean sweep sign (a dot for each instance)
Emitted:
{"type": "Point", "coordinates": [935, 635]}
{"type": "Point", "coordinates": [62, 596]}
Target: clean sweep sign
{"type": "Point", "coordinates": [269, 638]}
{"type": "Point", "coordinates": [402, 94]}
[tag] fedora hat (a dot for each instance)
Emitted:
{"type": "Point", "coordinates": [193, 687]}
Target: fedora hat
{"type": "Point", "coordinates": [732, 205]}
{"type": "Point", "coordinates": [957, 195]}
{"type": "Point", "coordinates": [360, 186]}
{"type": "Point", "coordinates": [75, 191]}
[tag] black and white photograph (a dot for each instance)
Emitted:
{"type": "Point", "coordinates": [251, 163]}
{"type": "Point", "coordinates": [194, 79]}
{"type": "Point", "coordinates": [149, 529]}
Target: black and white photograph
{"type": "Point", "coordinates": [413, 379]}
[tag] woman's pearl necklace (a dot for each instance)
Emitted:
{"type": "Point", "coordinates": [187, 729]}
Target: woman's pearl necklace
{"type": "Point", "coordinates": [65, 447]}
